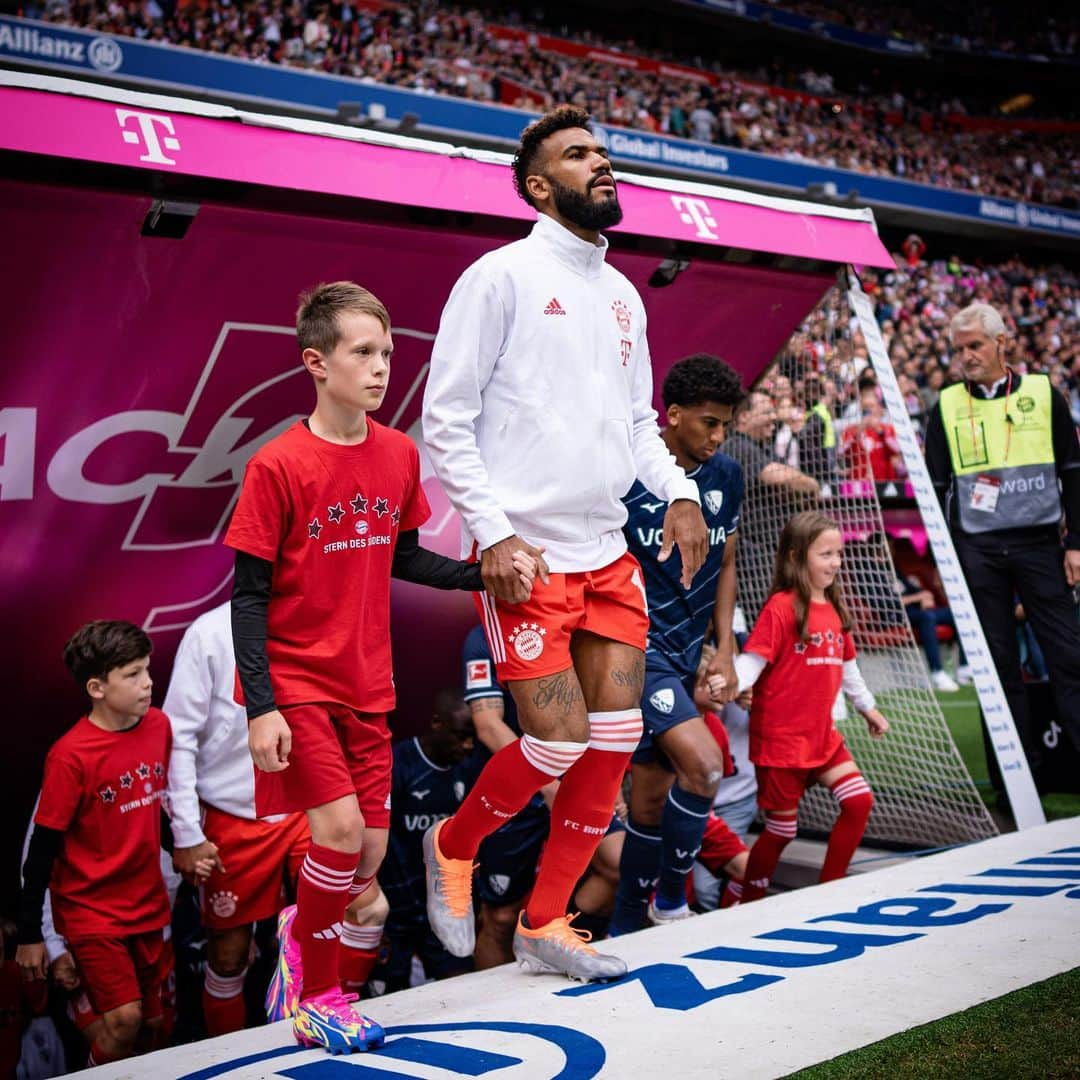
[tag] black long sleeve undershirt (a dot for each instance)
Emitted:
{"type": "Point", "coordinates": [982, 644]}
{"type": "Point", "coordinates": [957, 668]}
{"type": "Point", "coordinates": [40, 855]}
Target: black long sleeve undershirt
{"type": "Point", "coordinates": [45, 845]}
{"type": "Point", "coordinates": [253, 584]}
{"type": "Point", "coordinates": [422, 567]}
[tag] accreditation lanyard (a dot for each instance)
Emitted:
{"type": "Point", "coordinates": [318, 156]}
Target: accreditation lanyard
{"type": "Point", "coordinates": [1008, 420]}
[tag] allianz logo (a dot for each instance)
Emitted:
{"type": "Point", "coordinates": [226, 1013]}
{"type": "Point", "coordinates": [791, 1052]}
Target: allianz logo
{"type": "Point", "coordinates": [103, 53]}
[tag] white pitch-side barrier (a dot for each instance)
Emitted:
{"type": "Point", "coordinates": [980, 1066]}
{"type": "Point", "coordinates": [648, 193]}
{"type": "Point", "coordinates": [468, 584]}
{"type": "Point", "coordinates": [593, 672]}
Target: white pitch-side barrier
{"type": "Point", "coordinates": [757, 991]}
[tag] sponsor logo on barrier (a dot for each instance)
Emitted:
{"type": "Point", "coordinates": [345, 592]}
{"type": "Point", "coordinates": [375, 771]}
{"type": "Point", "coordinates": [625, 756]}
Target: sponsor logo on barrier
{"type": "Point", "coordinates": [675, 986]}
{"type": "Point", "coordinates": [526, 1053]}
{"type": "Point", "coordinates": [144, 133]}
{"type": "Point", "coordinates": [696, 212]}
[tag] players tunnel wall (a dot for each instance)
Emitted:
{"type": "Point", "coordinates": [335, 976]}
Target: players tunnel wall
{"type": "Point", "coordinates": [155, 250]}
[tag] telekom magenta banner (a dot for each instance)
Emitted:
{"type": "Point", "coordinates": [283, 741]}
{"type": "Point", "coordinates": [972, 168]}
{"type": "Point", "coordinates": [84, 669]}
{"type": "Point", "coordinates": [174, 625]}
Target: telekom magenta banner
{"type": "Point", "coordinates": [141, 373]}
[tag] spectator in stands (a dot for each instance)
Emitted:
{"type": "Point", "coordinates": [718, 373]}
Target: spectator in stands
{"type": "Point", "coordinates": [926, 616]}
{"type": "Point", "coordinates": [1002, 452]}
{"type": "Point", "coordinates": [817, 442]}
{"type": "Point", "coordinates": [750, 444]}
{"type": "Point", "coordinates": [870, 450]}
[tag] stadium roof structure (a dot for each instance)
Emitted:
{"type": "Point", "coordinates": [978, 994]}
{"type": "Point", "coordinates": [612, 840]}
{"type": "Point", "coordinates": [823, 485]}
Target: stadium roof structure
{"type": "Point", "coordinates": [93, 123]}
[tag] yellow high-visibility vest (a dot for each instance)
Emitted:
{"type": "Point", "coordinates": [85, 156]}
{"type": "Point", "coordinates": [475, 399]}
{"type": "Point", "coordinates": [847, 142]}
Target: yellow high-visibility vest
{"type": "Point", "coordinates": [1002, 452]}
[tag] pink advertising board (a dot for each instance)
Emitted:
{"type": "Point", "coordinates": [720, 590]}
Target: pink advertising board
{"type": "Point", "coordinates": [141, 373]}
{"type": "Point", "coordinates": [80, 128]}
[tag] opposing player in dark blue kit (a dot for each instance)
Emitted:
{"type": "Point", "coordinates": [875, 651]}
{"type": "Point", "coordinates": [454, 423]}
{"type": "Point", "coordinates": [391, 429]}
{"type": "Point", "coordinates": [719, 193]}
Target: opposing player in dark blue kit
{"type": "Point", "coordinates": [508, 858]}
{"type": "Point", "coordinates": [432, 774]}
{"type": "Point", "coordinates": [678, 765]}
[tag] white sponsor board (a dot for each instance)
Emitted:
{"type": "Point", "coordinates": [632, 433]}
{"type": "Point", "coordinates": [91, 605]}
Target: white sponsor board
{"type": "Point", "coordinates": [756, 991]}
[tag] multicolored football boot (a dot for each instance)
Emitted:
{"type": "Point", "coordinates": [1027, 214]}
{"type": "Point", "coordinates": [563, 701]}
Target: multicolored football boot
{"type": "Point", "coordinates": [329, 1020]}
{"type": "Point", "coordinates": [283, 993]}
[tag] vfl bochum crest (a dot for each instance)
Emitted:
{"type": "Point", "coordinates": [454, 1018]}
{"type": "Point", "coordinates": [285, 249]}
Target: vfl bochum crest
{"type": "Point", "coordinates": [714, 500]}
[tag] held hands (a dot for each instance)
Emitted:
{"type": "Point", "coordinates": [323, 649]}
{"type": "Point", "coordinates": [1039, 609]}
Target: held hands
{"type": "Point", "coordinates": [31, 960]}
{"type": "Point", "coordinates": [876, 724]}
{"type": "Point", "coordinates": [64, 972]}
{"type": "Point", "coordinates": [509, 568]}
{"type": "Point", "coordinates": [270, 741]}
{"type": "Point", "coordinates": [684, 525]}
{"type": "Point", "coordinates": [199, 861]}
{"type": "Point", "coordinates": [720, 678]}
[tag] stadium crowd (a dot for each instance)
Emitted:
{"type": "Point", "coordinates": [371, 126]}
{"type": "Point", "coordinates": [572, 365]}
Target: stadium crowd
{"type": "Point", "coordinates": [914, 304]}
{"type": "Point", "coordinates": [968, 28]}
{"type": "Point", "coordinates": [443, 49]}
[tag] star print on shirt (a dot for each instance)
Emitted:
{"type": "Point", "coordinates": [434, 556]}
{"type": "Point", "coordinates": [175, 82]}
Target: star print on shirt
{"type": "Point", "coordinates": [359, 504]}
{"type": "Point", "coordinates": [395, 517]}
{"type": "Point", "coordinates": [313, 529]}
{"type": "Point", "coordinates": [800, 647]}
{"type": "Point", "coordinates": [382, 507]}
{"type": "Point", "coordinates": [107, 795]}
{"type": "Point", "coordinates": [159, 769]}
{"type": "Point", "coordinates": [143, 771]}
{"type": "Point", "coordinates": [127, 780]}
{"type": "Point", "coordinates": [335, 513]}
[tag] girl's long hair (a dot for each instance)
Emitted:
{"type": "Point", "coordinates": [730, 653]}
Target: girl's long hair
{"type": "Point", "coordinates": [791, 571]}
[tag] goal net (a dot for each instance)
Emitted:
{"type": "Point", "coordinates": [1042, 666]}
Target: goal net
{"type": "Point", "coordinates": [924, 796]}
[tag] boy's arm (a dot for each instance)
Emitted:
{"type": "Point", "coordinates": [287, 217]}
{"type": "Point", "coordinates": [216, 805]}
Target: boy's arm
{"type": "Point", "coordinates": [45, 845]}
{"type": "Point", "coordinates": [423, 567]}
{"type": "Point", "coordinates": [187, 705]}
{"type": "Point", "coordinates": [269, 737]}
{"type": "Point", "coordinates": [252, 584]}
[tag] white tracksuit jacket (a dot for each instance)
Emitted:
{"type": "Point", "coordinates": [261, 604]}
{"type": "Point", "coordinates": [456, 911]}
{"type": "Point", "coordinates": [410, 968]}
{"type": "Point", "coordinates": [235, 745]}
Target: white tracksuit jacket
{"type": "Point", "coordinates": [538, 409]}
{"type": "Point", "coordinates": [210, 759]}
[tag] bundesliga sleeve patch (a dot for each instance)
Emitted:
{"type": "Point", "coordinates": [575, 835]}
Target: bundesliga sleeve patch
{"type": "Point", "coordinates": [478, 674]}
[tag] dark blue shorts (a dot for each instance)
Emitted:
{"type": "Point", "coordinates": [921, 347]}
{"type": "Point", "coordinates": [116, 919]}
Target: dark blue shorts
{"type": "Point", "coordinates": [508, 857]}
{"type": "Point", "coordinates": [666, 701]}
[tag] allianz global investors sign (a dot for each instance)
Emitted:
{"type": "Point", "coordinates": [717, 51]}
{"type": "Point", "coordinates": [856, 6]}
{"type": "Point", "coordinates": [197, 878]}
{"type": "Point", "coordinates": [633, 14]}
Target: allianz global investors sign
{"type": "Point", "coordinates": [102, 53]}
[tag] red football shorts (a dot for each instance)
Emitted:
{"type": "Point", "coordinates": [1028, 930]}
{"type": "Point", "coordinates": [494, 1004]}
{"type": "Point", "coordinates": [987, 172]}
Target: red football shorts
{"type": "Point", "coordinates": [719, 845]}
{"type": "Point", "coordinates": [781, 789]}
{"type": "Point", "coordinates": [532, 639]}
{"type": "Point", "coordinates": [336, 751]}
{"type": "Point", "coordinates": [259, 856]}
{"type": "Point", "coordinates": [116, 971]}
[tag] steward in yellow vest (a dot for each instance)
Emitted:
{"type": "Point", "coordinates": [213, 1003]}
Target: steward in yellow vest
{"type": "Point", "coordinates": [1002, 452]}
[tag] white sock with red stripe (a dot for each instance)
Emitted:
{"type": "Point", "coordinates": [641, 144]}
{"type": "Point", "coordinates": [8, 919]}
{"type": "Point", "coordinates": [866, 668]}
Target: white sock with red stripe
{"type": "Point", "coordinates": [322, 893]}
{"type": "Point", "coordinates": [582, 811]}
{"type": "Point", "coordinates": [765, 855]}
{"type": "Point", "coordinates": [508, 782]}
{"type": "Point", "coordinates": [856, 801]}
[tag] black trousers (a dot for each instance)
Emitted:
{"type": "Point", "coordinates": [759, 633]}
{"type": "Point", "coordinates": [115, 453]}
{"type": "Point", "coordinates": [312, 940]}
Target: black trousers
{"type": "Point", "coordinates": [998, 569]}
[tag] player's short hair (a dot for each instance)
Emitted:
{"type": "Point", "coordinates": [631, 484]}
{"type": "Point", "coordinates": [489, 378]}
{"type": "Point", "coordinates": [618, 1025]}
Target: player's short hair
{"type": "Point", "coordinates": [532, 138]}
{"type": "Point", "coordinates": [702, 377]}
{"type": "Point", "coordinates": [317, 316]}
{"type": "Point", "coordinates": [103, 645]}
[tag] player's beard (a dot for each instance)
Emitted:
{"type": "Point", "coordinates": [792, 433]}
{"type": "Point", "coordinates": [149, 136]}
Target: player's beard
{"type": "Point", "coordinates": [583, 210]}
